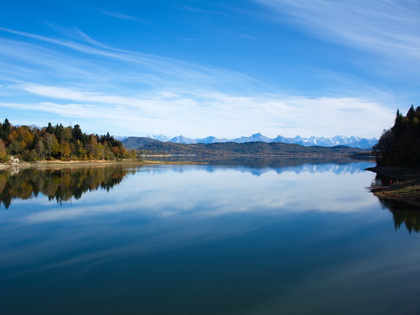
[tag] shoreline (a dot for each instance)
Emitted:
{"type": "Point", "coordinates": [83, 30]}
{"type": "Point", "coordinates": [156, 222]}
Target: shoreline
{"type": "Point", "coordinates": [57, 164]}
{"type": "Point", "coordinates": [404, 184]}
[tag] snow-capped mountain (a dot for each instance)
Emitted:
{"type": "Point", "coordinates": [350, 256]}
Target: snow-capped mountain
{"type": "Point", "coordinates": [182, 139]}
{"type": "Point", "coordinates": [159, 137]}
{"type": "Point", "coordinates": [252, 138]}
{"type": "Point", "coordinates": [355, 142]}
{"type": "Point", "coordinates": [212, 139]}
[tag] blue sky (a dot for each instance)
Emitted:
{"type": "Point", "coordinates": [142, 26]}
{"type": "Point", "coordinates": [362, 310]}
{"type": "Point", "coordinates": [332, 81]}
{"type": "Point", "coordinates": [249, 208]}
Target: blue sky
{"type": "Point", "coordinates": [201, 68]}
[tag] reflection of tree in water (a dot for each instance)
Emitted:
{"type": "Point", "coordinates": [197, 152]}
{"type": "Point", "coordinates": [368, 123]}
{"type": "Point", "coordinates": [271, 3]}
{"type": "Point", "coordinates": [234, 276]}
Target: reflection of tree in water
{"type": "Point", "coordinates": [57, 184]}
{"type": "Point", "coordinates": [403, 214]}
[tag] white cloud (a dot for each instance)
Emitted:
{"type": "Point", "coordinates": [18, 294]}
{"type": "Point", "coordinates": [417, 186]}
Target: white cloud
{"type": "Point", "coordinates": [215, 114]}
{"type": "Point", "coordinates": [129, 93]}
{"type": "Point", "coordinates": [161, 197]}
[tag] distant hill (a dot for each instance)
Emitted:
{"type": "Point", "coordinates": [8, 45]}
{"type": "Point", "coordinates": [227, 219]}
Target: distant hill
{"type": "Point", "coordinates": [136, 142]}
{"type": "Point", "coordinates": [233, 148]}
{"type": "Point", "coordinates": [354, 142]}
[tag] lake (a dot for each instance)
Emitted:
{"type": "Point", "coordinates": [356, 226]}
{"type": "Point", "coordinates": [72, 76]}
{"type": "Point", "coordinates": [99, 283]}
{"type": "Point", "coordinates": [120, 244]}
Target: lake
{"type": "Point", "coordinates": [250, 237]}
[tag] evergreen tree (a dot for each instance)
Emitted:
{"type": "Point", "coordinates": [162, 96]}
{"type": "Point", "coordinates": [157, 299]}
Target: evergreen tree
{"type": "Point", "coordinates": [7, 128]}
{"type": "Point", "coordinates": [400, 146]}
{"type": "Point", "coordinates": [78, 134]}
{"type": "Point", "coordinates": [411, 113]}
{"type": "Point", "coordinates": [50, 128]}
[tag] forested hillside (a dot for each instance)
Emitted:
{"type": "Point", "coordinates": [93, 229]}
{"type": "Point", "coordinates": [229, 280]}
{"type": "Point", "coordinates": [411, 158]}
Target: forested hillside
{"type": "Point", "coordinates": [57, 142]}
{"type": "Point", "coordinates": [400, 145]}
{"type": "Point", "coordinates": [232, 148]}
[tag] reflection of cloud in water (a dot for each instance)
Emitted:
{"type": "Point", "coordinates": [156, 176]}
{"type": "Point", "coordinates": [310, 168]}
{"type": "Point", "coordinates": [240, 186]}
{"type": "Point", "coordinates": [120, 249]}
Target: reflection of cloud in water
{"type": "Point", "coordinates": [123, 233]}
{"type": "Point", "coordinates": [290, 242]}
{"type": "Point", "coordinates": [167, 207]}
{"type": "Point", "coordinates": [269, 165]}
{"type": "Point", "coordinates": [163, 192]}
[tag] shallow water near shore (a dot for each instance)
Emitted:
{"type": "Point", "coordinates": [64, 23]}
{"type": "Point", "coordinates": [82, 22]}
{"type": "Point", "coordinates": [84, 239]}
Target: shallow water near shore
{"type": "Point", "coordinates": [250, 237]}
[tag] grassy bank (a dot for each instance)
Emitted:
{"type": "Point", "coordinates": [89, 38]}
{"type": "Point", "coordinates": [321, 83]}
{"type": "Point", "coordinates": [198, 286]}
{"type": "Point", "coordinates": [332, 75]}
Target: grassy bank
{"type": "Point", "coordinates": [90, 163]}
{"type": "Point", "coordinates": [396, 183]}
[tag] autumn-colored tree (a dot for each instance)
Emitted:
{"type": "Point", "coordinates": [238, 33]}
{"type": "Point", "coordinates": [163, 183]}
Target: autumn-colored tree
{"type": "Point", "coordinates": [100, 152]}
{"type": "Point", "coordinates": [108, 154]}
{"type": "Point", "coordinates": [30, 155]}
{"type": "Point", "coordinates": [51, 144]}
{"type": "Point", "coordinates": [65, 149]}
{"type": "Point", "coordinates": [67, 134]}
{"type": "Point", "coordinates": [58, 142]}
{"type": "Point", "coordinates": [39, 147]}
{"type": "Point", "coordinates": [15, 147]}
{"type": "Point", "coordinates": [23, 135]}
{"type": "Point", "coordinates": [92, 147]}
{"type": "Point", "coordinates": [3, 153]}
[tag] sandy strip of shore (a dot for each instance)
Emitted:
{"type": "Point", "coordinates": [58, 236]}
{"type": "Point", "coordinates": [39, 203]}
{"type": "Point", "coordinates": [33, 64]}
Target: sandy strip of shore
{"type": "Point", "coordinates": [91, 163]}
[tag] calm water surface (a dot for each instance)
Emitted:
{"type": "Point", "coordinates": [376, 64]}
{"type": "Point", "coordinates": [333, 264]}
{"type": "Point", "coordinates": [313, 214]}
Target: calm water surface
{"type": "Point", "coordinates": [250, 238]}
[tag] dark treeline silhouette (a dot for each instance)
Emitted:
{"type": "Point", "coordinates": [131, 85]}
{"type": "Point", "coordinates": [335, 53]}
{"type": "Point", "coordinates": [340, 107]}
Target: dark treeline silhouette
{"type": "Point", "coordinates": [57, 142]}
{"type": "Point", "coordinates": [404, 214]}
{"type": "Point", "coordinates": [57, 184]}
{"type": "Point", "coordinates": [400, 145]}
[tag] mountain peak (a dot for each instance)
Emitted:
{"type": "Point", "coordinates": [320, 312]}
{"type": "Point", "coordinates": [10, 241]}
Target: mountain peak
{"type": "Point", "coordinates": [339, 140]}
{"type": "Point", "coordinates": [182, 139]}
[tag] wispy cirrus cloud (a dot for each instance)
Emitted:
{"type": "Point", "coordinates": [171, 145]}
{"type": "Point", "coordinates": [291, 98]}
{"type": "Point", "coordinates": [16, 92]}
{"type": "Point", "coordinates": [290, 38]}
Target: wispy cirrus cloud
{"type": "Point", "coordinates": [117, 15]}
{"type": "Point", "coordinates": [386, 28]}
{"type": "Point", "coordinates": [131, 93]}
{"type": "Point", "coordinates": [117, 63]}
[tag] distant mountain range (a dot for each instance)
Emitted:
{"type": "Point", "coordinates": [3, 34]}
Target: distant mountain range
{"type": "Point", "coordinates": [354, 142]}
{"type": "Point", "coordinates": [253, 148]}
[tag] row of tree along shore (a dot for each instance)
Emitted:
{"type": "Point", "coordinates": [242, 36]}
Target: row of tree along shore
{"type": "Point", "coordinates": [398, 160]}
{"type": "Point", "coordinates": [400, 145]}
{"type": "Point", "coordinates": [58, 142]}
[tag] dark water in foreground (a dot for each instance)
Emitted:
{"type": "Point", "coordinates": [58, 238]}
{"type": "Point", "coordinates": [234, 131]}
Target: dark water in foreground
{"type": "Point", "coordinates": [205, 239]}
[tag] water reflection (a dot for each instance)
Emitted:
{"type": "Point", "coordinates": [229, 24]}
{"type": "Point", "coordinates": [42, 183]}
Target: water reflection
{"type": "Point", "coordinates": [260, 165]}
{"type": "Point", "coordinates": [201, 239]}
{"type": "Point", "coordinates": [64, 184]}
{"type": "Point", "coordinates": [404, 214]}
{"type": "Point", "coordinates": [60, 185]}
{"type": "Point", "coordinates": [299, 166]}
